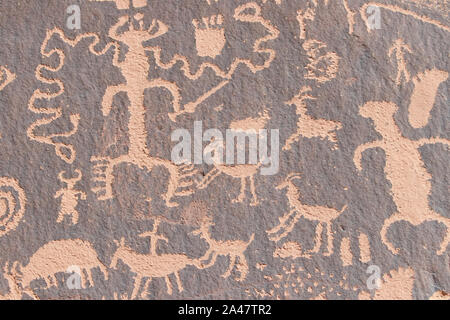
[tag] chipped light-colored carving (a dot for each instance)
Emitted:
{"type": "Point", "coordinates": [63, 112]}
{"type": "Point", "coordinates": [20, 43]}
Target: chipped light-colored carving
{"type": "Point", "coordinates": [125, 4]}
{"type": "Point", "coordinates": [323, 215]}
{"type": "Point", "coordinates": [56, 257]}
{"type": "Point", "coordinates": [234, 249]}
{"type": "Point", "coordinates": [243, 172]}
{"type": "Point", "coordinates": [426, 85]}
{"type": "Point", "coordinates": [194, 213]}
{"type": "Point", "coordinates": [64, 151]}
{"type": "Point", "coordinates": [307, 126]}
{"type": "Point", "coordinates": [15, 293]}
{"type": "Point", "coordinates": [405, 170]}
{"type": "Point", "coordinates": [248, 13]}
{"type": "Point", "coordinates": [399, 48]}
{"type": "Point", "coordinates": [350, 16]}
{"type": "Point", "coordinates": [6, 77]}
{"type": "Point", "coordinates": [135, 68]}
{"type": "Point", "coordinates": [364, 248]}
{"type": "Point", "coordinates": [396, 285]}
{"type": "Point", "coordinates": [152, 265]}
{"type": "Point", "coordinates": [209, 36]}
{"type": "Point", "coordinates": [276, 1]}
{"type": "Point", "coordinates": [12, 204]}
{"type": "Point", "coordinates": [323, 66]}
{"type": "Point", "coordinates": [440, 295]}
{"type": "Point", "coordinates": [251, 123]}
{"type": "Point", "coordinates": [290, 250]}
{"type": "Point", "coordinates": [397, 9]}
{"type": "Point", "coordinates": [346, 252]}
{"type": "Point", "coordinates": [302, 16]}
{"type": "Point", "coordinates": [69, 197]}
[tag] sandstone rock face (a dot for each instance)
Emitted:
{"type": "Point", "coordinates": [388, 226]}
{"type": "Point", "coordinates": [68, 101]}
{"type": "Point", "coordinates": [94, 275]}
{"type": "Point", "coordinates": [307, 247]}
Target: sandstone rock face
{"type": "Point", "coordinates": [343, 188]}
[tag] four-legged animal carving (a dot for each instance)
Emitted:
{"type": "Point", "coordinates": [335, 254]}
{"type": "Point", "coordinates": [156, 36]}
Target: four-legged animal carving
{"type": "Point", "coordinates": [410, 181]}
{"type": "Point", "coordinates": [149, 266]}
{"type": "Point", "coordinates": [307, 126]}
{"type": "Point", "coordinates": [58, 256]}
{"type": "Point", "coordinates": [323, 215]}
{"type": "Point", "coordinates": [234, 249]}
{"type": "Point", "coordinates": [249, 126]}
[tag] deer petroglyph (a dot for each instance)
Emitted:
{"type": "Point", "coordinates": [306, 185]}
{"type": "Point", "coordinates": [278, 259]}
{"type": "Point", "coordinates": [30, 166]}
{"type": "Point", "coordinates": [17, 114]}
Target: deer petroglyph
{"type": "Point", "coordinates": [243, 172]}
{"type": "Point", "coordinates": [234, 249]}
{"type": "Point", "coordinates": [323, 215]}
{"type": "Point", "coordinates": [152, 265]}
{"type": "Point", "coordinates": [307, 126]}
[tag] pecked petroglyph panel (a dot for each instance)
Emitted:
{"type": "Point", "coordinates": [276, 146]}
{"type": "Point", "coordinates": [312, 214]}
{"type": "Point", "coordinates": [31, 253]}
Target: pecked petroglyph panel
{"type": "Point", "coordinates": [116, 175]}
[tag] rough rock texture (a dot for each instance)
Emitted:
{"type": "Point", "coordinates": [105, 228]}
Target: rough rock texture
{"type": "Point", "coordinates": [358, 91]}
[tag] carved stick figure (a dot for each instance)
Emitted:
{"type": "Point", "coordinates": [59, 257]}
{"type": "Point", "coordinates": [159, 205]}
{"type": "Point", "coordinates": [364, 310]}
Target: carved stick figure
{"type": "Point", "coordinates": [69, 197]}
{"type": "Point", "coordinates": [399, 47]}
{"type": "Point", "coordinates": [411, 182]}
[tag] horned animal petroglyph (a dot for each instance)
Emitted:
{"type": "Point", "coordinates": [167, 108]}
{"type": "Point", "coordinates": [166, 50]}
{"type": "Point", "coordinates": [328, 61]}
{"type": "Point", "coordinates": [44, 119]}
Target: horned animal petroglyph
{"type": "Point", "coordinates": [234, 249]}
{"type": "Point", "coordinates": [323, 215]}
{"type": "Point", "coordinates": [307, 126]}
{"type": "Point", "coordinates": [152, 265]}
{"type": "Point", "coordinates": [238, 171]}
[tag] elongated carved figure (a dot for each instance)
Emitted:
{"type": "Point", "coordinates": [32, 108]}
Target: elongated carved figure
{"type": "Point", "coordinates": [135, 69]}
{"type": "Point", "coordinates": [323, 215]}
{"type": "Point", "coordinates": [56, 257]}
{"type": "Point", "coordinates": [152, 265]}
{"type": "Point", "coordinates": [410, 181]}
{"type": "Point", "coordinates": [234, 249]}
{"type": "Point", "coordinates": [426, 86]}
